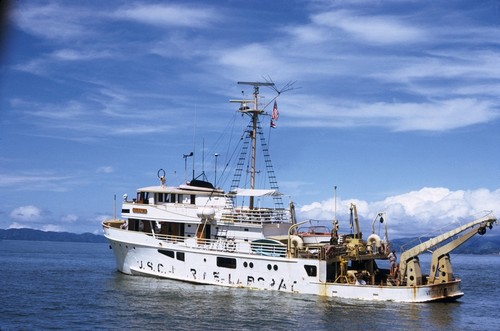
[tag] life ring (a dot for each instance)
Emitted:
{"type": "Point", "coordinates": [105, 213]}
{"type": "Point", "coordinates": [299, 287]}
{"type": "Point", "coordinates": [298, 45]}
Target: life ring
{"type": "Point", "coordinates": [231, 246]}
{"type": "Point", "coordinates": [296, 242]}
{"type": "Point", "coordinates": [373, 238]}
{"type": "Point", "coordinates": [161, 175]}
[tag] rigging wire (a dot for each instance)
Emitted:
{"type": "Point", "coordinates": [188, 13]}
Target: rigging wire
{"type": "Point", "coordinates": [230, 161]}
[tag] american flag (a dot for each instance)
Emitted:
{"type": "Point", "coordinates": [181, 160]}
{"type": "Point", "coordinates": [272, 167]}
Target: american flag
{"type": "Point", "coordinates": [275, 115]}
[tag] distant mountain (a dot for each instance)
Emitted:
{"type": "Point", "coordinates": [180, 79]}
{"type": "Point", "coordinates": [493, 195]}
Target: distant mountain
{"type": "Point", "coordinates": [37, 235]}
{"type": "Point", "coordinates": [487, 244]}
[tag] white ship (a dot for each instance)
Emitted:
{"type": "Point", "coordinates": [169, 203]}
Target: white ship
{"type": "Point", "coordinates": [198, 233]}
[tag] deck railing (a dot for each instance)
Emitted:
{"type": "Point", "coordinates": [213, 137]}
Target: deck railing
{"type": "Point", "coordinates": [219, 245]}
{"type": "Point", "coordinates": [256, 216]}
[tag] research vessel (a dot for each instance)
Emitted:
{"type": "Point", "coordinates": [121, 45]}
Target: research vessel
{"type": "Point", "coordinates": [248, 237]}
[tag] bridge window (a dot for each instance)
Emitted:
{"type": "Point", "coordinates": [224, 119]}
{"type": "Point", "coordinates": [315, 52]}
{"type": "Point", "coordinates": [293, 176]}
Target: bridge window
{"type": "Point", "coordinates": [142, 197]}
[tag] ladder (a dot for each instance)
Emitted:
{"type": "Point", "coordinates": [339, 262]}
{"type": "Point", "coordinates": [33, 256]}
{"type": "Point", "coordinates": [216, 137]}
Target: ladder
{"type": "Point", "coordinates": [278, 202]}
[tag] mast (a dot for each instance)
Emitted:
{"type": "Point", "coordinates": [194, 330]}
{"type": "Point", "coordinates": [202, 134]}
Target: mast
{"type": "Point", "coordinates": [254, 113]}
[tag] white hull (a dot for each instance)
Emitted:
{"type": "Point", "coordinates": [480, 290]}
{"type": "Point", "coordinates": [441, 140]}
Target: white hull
{"type": "Point", "coordinates": [136, 255]}
{"type": "Point", "coordinates": [198, 233]}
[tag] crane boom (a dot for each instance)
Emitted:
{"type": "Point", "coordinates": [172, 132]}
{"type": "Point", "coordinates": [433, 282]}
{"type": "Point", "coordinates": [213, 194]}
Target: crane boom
{"type": "Point", "coordinates": [410, 254]}
{"type": "Point", "coordinates": [441, 269]}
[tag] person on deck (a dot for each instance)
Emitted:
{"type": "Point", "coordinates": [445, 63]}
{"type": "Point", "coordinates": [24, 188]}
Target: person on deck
{"type": "Point", "coordinates": [392, 259]}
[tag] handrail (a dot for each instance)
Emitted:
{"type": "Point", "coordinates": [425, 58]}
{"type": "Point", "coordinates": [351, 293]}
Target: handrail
{"type": "Point", "coordinates": [256, 216]}
{"type": "Point", "coordinates": [219, 245]}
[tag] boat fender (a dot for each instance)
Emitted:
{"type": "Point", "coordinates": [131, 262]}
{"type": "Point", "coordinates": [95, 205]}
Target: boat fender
{"type": "Point", "coordinates": [385, 248]}
{"type": "Point", "coordinates": [373, 238]}
{"type": "Point", "coordinates": [206, 213]}
{"type": "Point", "coordinates": [296, 242]}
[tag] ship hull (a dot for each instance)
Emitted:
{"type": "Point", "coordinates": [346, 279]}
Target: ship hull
{"type": "Point", "coordinates": [186, 261]}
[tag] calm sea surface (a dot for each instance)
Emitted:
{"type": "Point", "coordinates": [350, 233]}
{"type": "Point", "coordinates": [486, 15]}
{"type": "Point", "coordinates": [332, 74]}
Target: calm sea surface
{"type": "Point", "coordinates": [75, 286]}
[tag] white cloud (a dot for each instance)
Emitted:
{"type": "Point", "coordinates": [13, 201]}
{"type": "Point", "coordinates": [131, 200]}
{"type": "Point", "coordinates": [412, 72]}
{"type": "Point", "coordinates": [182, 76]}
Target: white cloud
{"type": "Point", "coordinates": [375, 29]}
{"type": "Point", "coordinates": [43, 181]}
{"type": "Point", "coordinates": [434, 115]}
{"type": "Point", "coordinates": [79, 55]}
{"type": "Point", "coordinates": [69, 218]}
{"type": "Point", "coordinates": [101, 218]}
{"type": "Point", "coordinates": [413, 213]}
{"type": "Point", "coordinates": [308, 34]}
{"type": "Point", "coordinates": [52, 21]}
{"type": "Point", "coordinates": [71, 110]}
{"type": "Point", "coordinates": [428, 115]}
{"type": "Point", "coordinates": [105, 170]}
{"type": "Point", "coordinates": [168, 15]}
{"type": "Point", "coordinates": [16, 225]}
{"type": "Point", "coordinates": [250, 57]}
{"type": "Point", "coordinates": [52, 228]}
{"type": "Point", "coordinates": [26, 213]}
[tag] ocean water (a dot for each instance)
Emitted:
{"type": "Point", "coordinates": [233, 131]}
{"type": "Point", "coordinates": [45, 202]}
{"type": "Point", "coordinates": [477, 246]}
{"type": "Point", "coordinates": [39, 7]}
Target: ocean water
{"type": "Point", "coordinates": [75, 286]}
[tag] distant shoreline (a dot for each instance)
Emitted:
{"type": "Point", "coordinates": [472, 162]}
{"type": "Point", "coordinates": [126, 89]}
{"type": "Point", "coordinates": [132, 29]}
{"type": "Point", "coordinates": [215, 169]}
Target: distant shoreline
{"type": "Point", "coordinates": [485, 245]}
{"type": "Point", "coordinates": [38, 235]}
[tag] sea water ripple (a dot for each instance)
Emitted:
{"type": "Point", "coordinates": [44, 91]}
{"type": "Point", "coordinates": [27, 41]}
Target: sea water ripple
{"type": "Point", "coordinates": [55, 286]}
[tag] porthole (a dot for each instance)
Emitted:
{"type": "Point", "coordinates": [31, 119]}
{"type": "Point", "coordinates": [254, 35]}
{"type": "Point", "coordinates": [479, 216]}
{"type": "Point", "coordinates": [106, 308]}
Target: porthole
{"type": "Point", "coordinates": [245, 264]}
{"type": "Point", "coordinates": [269, 267]}
{"type": "Point", "coordinates": [251, 264]}
{"type": "Point", "coordinates": [275, 267]}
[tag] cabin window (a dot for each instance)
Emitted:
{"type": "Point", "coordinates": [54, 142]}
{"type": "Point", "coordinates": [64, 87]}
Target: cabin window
{"type": "Point", "coordinates": [142, 197]}
{"type": "Point", "coordinates": [180, 256]}
{"type": "Point", "coordinates": [167, 253]}
{"type": "Point", "coordinates": [133, 224]}
{"type": "Point", "coordinates": [193, 199]}
{"type": "Point", "coordinates": [312, 270]}
{"type": "Point", "coordinates": [226, 262]}
{"type": "Point", "coordinates": [179, 198]}
{"type": "Point", "coordinates": [160, 197]}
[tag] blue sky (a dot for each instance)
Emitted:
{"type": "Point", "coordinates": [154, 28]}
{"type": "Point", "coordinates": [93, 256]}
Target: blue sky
{"type": "Point", "coordinates": [395, 103]}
